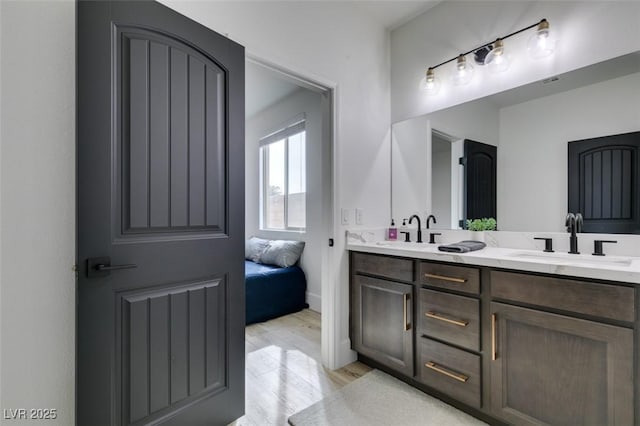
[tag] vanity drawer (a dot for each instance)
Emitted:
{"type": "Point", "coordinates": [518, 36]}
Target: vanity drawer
{"type": "Point", "coordinates": [383, 266]}
{"type": "Point", "coordinates": [454, 319]}
{"type": "Point", "coordinates": [601, 300]}
{"type": "Point", "coordinates": [450, 370]}
{"type": "Point", "coordinates": [458, 278]}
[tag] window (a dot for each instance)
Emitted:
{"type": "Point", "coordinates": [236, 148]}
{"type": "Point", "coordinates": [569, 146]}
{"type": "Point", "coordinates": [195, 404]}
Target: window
{"type": "Point", "coordinates": [283, 179]}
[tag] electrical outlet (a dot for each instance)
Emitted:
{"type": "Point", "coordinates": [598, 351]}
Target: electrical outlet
{"type": "Point", "coordinates": [358, 216]}
{"type": "Point", "coordinates": [344, 216]}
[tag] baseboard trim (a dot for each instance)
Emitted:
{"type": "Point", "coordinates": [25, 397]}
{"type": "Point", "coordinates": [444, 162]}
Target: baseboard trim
{"type": "Point", "coordinates": [346, 355]}
{"type": "Point", "coordinates": [314, 302]}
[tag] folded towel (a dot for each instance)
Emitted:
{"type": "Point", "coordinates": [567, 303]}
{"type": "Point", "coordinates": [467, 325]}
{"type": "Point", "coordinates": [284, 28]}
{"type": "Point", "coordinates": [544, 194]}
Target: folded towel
{"type": "Point", "coordinates": [463, 246]}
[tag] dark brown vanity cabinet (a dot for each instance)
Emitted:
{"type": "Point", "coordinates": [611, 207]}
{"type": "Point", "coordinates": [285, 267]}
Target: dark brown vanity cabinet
{"type": "Point", "coordinates": [550, 368]}
{"type": "Point", "coordinates": [382, 310]}
{"type": "Point", "coordinates": [521, 348]}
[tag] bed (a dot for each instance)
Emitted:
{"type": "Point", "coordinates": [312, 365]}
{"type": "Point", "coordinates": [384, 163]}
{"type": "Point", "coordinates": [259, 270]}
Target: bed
{"type": "Point", "coordinates": [273, 291]}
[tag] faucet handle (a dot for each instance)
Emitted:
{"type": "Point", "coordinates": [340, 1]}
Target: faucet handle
{"type": "Point", "coordinates": [432, 237]}
{"type": "Point", "coordinates": [548, 244]}
{"type": "Point", "coordinates": [406, 236]}
{"type": "Point", "coordinates": [579, 222]}
{"type": "Point", "coordinates": [597, 246]}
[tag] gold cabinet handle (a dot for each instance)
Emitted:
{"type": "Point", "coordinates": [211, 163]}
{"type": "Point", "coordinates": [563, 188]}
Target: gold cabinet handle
{"type": "Point", "coordinates": [445, 278]}
{"type": "Point", "coordinates": [494, 354]}
{"type": "Point", "coordinates": [442, 370]}
{"type": "Point", "coordinates": [440, 317]}
{"type": "Point", "coordinates": [405, 299]}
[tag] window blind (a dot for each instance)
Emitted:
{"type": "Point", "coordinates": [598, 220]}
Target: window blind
{"type": "Point", "coordinates": [297, 125]}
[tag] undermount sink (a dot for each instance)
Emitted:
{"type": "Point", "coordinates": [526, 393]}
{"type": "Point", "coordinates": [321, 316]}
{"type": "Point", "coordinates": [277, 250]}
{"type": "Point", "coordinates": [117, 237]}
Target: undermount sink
{"type": "Point", "coordinates": [395, 243]}
{"type": "Point", "coordinates": [564, 258]}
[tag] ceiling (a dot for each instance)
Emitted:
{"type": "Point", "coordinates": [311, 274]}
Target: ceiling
{"type": "Point", "coordinates": [393, 14]}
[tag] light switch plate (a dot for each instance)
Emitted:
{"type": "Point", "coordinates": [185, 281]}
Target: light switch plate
{"type": "Point", "coordinates": [344, 216]}
{"type": "Point", "coordinates": [359, 216]}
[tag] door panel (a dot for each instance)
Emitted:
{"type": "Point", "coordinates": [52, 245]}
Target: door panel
{"type": "Point", "coordinates": [173, 345]}
{"type": "Point", "coordinates": [174, 140]}
{"type": "Point", "coordinates": [160, 186]}
{"type": "Point", "coordinates": [553, 369]}
{"type": "Point", "coordinates": [382, 321]}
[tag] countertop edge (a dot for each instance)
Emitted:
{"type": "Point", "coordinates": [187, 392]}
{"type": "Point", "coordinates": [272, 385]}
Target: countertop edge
{"type": "Point", "coordinates": [496, 258]}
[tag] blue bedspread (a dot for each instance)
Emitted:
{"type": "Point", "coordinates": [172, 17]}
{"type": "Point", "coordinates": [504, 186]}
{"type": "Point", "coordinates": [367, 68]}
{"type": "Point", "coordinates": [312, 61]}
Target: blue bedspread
{"type": "Point", "coordinates": [272, 291]}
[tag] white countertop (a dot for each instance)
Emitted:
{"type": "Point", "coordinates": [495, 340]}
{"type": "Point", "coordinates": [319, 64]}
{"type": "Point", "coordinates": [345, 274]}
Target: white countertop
{"type": "Point", "coordinates": [610, 268]}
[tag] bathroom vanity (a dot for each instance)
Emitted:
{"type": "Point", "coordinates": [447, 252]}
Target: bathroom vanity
{"type": "Point", "coordinates": [513, 336]}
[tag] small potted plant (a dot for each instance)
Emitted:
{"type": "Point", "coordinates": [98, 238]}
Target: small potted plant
{"type": "Point", "coordinates": [478, 225]}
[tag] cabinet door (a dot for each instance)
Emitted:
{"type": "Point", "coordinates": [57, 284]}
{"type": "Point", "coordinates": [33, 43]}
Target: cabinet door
{"type": "Point", "coordinates": [381, 322]}
{"type": "Point", "coordinates": [553, 369]}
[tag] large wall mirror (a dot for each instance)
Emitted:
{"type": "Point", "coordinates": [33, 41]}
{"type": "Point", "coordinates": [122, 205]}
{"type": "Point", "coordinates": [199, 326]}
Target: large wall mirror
{"type": "Point", "coordinates": [530, 126]}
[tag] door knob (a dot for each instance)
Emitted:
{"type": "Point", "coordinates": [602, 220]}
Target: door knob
{"type": "Point", "coordinates": [101, 266]}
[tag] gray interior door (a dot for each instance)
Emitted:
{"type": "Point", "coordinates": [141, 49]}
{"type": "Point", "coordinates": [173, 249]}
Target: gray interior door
{"type": "Point", "coordinates": [160, 218]}
{"type": "Point", "coordinates": [480, 196]}
{"type": "Point", "coordinates": [604, 178]}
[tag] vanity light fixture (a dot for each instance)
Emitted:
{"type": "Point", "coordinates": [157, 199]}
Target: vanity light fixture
{"type": "Point", "coordinates": [540, 44]}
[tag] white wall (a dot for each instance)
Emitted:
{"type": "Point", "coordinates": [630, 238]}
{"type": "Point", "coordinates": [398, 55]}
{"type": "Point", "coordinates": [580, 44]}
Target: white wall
{"type": "Point", "coordinates": [410, 163]}
{"type": "Point", "coordinates": [588, 32]}
{"type": "Point", "coordinates": [441, 189]}
{"type": "Point", "coordinates": [477, 120]}
{"type": "Point", "coordinates": [532, 153]}
{"type": "Point", "coordinates": [265, 122]}
{"type": "Point", "coordinates": [37, 207]}
{"type": "Point", "coordinates": [334, 43]}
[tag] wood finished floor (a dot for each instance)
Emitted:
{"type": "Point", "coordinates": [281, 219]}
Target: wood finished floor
{"type": "Point", "coordinates": [284, 372]}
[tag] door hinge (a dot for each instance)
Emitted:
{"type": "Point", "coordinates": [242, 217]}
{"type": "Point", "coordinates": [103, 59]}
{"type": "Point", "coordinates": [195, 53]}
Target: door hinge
{"type": "Point", "coordinates": [330, 242]}
{"type": "Point", "coordinates": [462, 161]}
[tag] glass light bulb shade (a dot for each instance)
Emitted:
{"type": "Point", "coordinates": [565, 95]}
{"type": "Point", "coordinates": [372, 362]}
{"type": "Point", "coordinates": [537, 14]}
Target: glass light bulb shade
{"type": "Point", "coordinates": [498, 61]}
{"type": "Point", "coordinates": [430, 84]}
{"type": "Point", "coordinates": [542, 43]}
{"type": "Point", "coordinates": [463, 72]}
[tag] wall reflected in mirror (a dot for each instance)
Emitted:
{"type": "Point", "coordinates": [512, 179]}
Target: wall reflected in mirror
{"type": "Point", "coordinates": [531, 127]}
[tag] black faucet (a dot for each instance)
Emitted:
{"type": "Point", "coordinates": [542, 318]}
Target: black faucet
{"type": "Point", "coordinates": [574, 225]}
{"type": "Point", "coordinates": [429, 220]}
{"type": "Point", "coordinates": [419, 239]}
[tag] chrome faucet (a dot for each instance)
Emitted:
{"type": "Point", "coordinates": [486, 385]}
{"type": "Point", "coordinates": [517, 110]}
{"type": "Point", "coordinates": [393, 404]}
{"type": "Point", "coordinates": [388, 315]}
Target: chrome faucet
{"type": "Point", "coordinates": [574, 225]}
{"type": "Point", "coordinates": [419, 239]}
{"type": "Point", "coordinates": [429, 220]}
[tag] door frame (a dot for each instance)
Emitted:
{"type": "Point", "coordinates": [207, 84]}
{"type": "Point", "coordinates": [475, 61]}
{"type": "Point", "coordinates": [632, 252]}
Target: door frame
{"type": "Point", "coordinates": [332, 304]}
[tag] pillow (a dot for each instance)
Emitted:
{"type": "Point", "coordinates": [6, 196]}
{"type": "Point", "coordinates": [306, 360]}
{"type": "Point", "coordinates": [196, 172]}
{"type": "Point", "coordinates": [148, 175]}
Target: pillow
{"type": "Point", "coordinates": [254, 247]}
{"type": "Point", "coordinates": [282, 253]}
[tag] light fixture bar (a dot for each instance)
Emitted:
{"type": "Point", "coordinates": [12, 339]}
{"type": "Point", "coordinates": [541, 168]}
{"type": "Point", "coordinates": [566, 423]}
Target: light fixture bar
{"type": "Point", "coordinates": [492, 42]}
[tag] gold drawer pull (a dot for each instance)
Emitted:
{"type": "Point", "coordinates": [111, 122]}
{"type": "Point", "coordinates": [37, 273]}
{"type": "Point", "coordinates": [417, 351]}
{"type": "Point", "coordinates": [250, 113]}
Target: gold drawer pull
{"type": "Point", "coordinates": [405, 299]}
{"type": "Point", "coordinates": [445, 278]}
{"type": "Point", "coordinates": [459, 377]}
{"type": "Point", "coordinates": [440, 317]}
{"type": "Point", "coordinates": [494, 352]}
